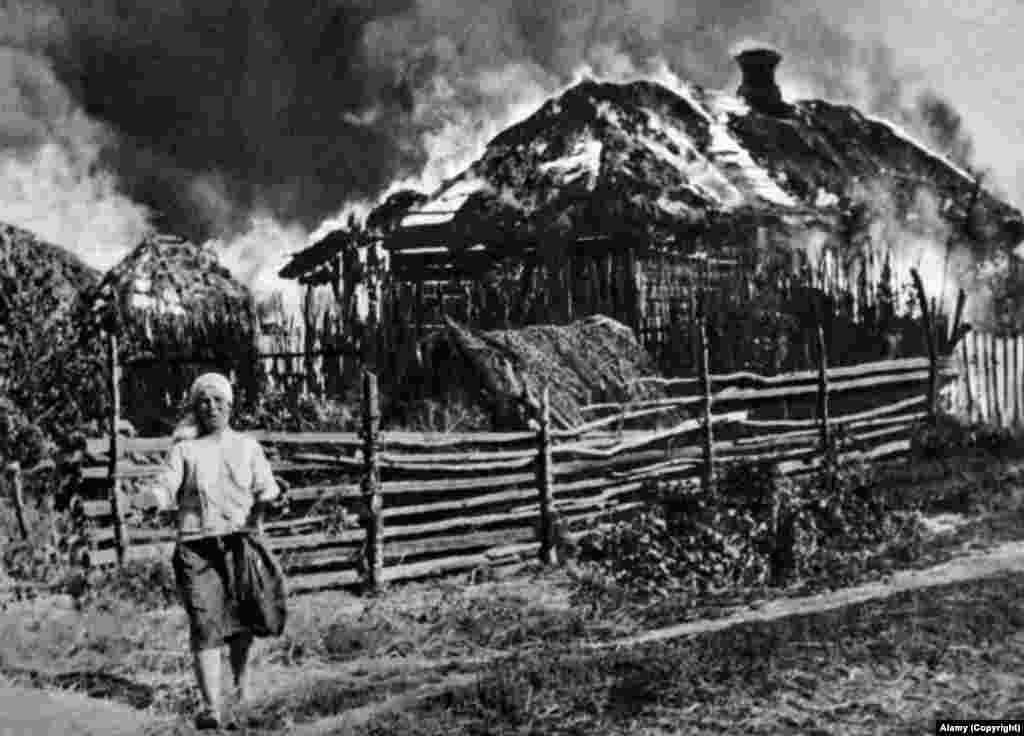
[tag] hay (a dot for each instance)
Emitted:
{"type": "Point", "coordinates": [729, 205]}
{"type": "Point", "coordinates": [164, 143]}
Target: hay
{"type": "Point", "coordinates": [594, 360]}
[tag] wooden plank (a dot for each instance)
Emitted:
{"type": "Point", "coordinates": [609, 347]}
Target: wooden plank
{"type": "Point", "coordinates": [464, 504]}
{"type": "Point", "coordinates": [621, 415]}
{"type": "Point", "coordinates": [420, 440]}
{"type": "Point", "coordinates": [855, 371]}
{"type": "Point", "coordinates": [685, 427]}
{"type": "Point", "coordinates": [981, 404]}
{"type": "Point", "coordinates": [416, 440]}
{"type": "Point", "coordinates": [852, 385]}
{"type": "Point", "coordinates": [885, 450]}
{"type": "Point", "coordinates": [456, 484]}
{"type": "Point", "coordinates": [841, 419]}
{"type": "Point", "coordinates": [591, 467]}
{"type": "Point", "coordinates": [447, 565]}
{"type": "Point", "coordinates": [755, 395]}
{"type": "Point", "coordinates": [324, 491]}
{"type": "Point", "coordinates": [395, 531]}
{"type": "Point", "coordinates": [967, 377]}
{"type": "Point", "coordinates": [989, 380]}
{"type": "Point", "coordinates": [425, 465]}
{"type": "Point", "coordinates": [471, 456]}
{"type": "Point", "coordinates": [452, 543]}
{"type": "Point", "coordinates": [320, 581]}
{"type": "Point", "coordinates": [1017, 380]}
{"type": "Point", "coordinates": [125, 471]}
{"type": "Point", "coordinates": [1007, 391]}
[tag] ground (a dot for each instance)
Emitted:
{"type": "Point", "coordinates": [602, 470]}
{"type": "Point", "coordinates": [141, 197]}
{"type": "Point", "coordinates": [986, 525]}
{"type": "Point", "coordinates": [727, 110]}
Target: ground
{"type": "Point", "coordinates": [521, 655]}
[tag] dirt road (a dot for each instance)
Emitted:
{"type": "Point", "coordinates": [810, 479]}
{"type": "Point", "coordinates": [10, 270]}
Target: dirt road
{"type": "Point", "coordinates": [1007, 557]}
{"type": "Point", "coordinates": [27, 712]}
{"type": "Point", "coordinates": [31, 712]}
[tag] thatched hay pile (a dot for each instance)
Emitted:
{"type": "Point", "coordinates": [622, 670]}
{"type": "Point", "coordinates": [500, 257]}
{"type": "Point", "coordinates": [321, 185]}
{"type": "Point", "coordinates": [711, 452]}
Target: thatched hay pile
{"type": "Point", "coordinates": [594, 360]}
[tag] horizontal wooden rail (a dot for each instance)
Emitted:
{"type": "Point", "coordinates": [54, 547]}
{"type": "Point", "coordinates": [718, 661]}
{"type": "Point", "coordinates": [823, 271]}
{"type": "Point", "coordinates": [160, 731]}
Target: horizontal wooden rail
{"type": "Point", "coordinates": [435, 503]}
{"type": "Point", "coordinates": [861, 369]}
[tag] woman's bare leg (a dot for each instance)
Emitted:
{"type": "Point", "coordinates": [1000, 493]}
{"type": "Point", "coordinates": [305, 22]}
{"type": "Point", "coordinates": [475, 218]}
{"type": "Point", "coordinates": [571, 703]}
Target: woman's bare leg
{"type": "Point", "coordinates": [207, 668]}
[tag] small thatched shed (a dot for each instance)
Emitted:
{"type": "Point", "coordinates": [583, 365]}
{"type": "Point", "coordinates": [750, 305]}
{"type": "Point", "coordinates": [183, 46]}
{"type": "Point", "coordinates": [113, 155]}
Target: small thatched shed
{"type": "Point", "coordinates": [594, 360]}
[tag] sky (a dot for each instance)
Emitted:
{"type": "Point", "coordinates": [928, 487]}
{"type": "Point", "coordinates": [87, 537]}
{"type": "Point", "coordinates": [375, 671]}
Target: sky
{"type": "Point", "coordinates": [255, 124]}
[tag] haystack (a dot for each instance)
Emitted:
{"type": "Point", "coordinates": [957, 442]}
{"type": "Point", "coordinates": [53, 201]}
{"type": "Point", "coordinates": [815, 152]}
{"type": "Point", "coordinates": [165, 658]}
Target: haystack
{"type": "Point", "coordinates": [595, 360]}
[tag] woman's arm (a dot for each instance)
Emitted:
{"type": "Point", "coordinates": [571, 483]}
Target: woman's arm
{"type": "Point", "coordinates": [161, 492]}
{"type": "Point", "coordinates": [264, 485]}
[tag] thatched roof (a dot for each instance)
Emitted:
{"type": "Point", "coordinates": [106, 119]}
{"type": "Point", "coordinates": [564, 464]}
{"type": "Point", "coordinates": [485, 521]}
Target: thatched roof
{"type": "Point", "coordinates": [593, 360]}
{"type": "Point", "coordinates": [642, 160]}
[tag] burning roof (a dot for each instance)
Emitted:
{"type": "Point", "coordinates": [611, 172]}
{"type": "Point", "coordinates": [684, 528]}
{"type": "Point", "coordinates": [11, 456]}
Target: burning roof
{"type": "Point", "coordinates": [168, 275]}
{"type": "Point", "coordinates": [642, 159]}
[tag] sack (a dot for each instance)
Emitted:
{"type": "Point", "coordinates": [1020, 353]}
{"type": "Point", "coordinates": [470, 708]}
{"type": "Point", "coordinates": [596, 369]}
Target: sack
{"type": "Point", "coordinates": [260, 589]}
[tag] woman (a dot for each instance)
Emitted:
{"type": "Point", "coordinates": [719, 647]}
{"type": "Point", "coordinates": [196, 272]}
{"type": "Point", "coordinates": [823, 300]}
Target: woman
{"type": "Point", "coordinates": [214, 476]}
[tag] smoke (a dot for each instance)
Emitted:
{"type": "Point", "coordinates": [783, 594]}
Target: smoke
{"type": "Point", "coordinates": [51, 178]}
{"type": "Point", "coordinates": [256, 123]}
{"type": "Point", "coordinates": [224, 108]}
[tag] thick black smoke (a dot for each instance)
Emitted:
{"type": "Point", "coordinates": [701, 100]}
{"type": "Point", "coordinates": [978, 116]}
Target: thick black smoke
{"type": "Point", "coordinates": [223, 106]}
{"type": "Point", "coordinates": [217, 109]}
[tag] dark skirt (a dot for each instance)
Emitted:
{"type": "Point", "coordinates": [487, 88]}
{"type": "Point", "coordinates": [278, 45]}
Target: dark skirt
{"type": "Point", "coordinates": [201, 570]}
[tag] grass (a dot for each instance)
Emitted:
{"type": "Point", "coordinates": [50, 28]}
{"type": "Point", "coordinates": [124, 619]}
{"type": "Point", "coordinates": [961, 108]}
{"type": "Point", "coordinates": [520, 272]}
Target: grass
{"type": "Point", "coordinates": [894, 664]}
{"type": "Point", "coordinates": [859, 667]}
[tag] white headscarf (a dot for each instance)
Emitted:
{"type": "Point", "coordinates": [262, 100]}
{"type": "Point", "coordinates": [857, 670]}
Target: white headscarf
{"type": "Point", "coordinates": [212, 383]}
{"type": "Point", "coordinates": [188, 427]}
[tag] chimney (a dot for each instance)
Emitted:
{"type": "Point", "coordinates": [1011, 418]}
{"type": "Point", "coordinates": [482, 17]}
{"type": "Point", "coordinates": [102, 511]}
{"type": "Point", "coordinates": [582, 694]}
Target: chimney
{"type": "Point", "coordinates": [758, 87]}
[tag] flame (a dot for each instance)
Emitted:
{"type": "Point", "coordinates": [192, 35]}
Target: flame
{"type": "Point", "coordinates": [256, 256]}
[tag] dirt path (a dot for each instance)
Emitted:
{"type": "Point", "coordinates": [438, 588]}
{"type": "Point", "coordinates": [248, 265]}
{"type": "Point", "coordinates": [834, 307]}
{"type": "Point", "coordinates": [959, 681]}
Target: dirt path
{"type": "Point", "coordinates": [44, 713]}
{"type": "Point", "coordinates": [1008, 557]}
{"type": "Point", "coordinates": [27, 711]}
{"type": "Point", "coordinates": [1003, 558]}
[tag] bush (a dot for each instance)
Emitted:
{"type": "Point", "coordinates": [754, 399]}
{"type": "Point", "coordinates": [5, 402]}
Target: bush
{"type": "Point", "coordinates": [950, 436]}
{"type": "Point", "coordinates": [148, 584]}
{"type": "Point", "coordinates": [21, 440]}
{"type": "Point", "coordinates": [282, 411]}
{"type": "Point", "coordinates": [753, 529]}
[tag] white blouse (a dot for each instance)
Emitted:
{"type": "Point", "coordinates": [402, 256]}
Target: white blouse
{"type": "Point", "coordinates": [214, 481]}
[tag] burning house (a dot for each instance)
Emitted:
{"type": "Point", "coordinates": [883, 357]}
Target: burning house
{"type": "Point", "coordinates": [631, 200]}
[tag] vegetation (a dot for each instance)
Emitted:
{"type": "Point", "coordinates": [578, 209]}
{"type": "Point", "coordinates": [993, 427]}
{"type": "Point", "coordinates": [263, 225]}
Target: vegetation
{"type": "Point", "coordinates": [751, 531]}
{"type": "Point", "coordinates": [49, 386]}
{"type": "Point", "coordinates": [894, 664]}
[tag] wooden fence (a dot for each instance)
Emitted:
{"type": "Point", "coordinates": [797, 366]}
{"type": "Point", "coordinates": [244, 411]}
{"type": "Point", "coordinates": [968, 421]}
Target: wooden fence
{"type": "Point", "coordinates": [990, 387]}
{"type": "Point", "coordinates": [376, 507]}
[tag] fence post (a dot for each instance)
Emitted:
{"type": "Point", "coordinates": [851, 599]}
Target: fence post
{"type": "Point", "coordinates": [981, 357]}
{"type": "Point", "coordinates": [546, 483]}
{"type": "Point", "coordinates": [824, 429]}
{"type": "Point", "coordinates": [967, 380]}
{"type": "Point", "coordinates": [14, 481]}
{"type": "Point", "coordinates": [994, 363]}
{"type": "Point", "coordinates": [708, 476]}
{"type": "Point", "coordinates": [927, 319]}
{"type": "Point", "coordinates": [373, 521]}
{"type": "Point", "coordinates": [1016, 380]}
{"type": "Point", "coordinates": [1006, 381]}
{"type": "Point", "coordinates": [114, 387]}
